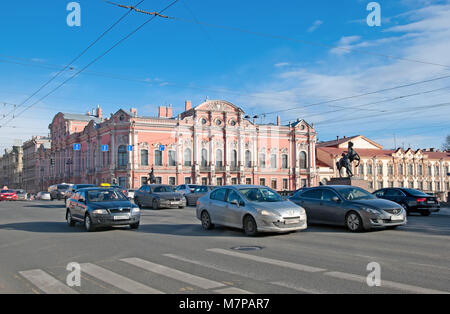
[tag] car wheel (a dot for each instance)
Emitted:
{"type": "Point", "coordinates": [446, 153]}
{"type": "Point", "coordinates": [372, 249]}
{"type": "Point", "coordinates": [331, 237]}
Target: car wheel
{"type": "Point", "coordinates": [155, 204]}
{"type": "Point", "coordinates": [134, 226]}
{"type": "Point", "coordinates": [206, 221]}
{"type": "Point", "coordinates": [425, 213]}
{"type": "Point", "coordinates": [88, 224]}
{"type": "Point", "coordinates": [69, 219]}
{"type": "Point", "coordinates": [354, 222]}
{"type": "Point", "coordinates": [250, 226]}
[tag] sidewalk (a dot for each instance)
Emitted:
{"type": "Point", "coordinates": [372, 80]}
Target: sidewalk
{"type": "Point", "coordinates": [445, 210]}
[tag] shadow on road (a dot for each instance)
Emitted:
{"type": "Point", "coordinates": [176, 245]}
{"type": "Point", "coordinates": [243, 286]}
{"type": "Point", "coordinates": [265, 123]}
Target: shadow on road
{"type": "Point", "coordinates": [42, 227]}
{"type": "Point", "coordinates": [47, 206]}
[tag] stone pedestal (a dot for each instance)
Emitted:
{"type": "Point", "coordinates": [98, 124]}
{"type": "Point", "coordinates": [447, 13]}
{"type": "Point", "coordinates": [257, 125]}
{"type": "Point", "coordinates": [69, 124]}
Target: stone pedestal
{"type": "Point", "coordinates": [355, 181]}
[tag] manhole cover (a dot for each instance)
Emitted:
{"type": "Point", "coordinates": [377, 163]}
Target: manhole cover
{"type": "Point", "coordinates": [247, 248]}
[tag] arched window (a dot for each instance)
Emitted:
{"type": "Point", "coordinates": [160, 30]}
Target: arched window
{"type": "Point", "coordinates": [158, 158]}
{"type": "Point", "coordinates": [171, 154]}
{"type": "Point", "coordinates": [302, 159]}
{"type": "Point", "coordinates": [233, 159]}
{"type": "Point", "coordinates": [262, 160]}
{"type": "Point", "coordinates": [284, 161]}
{"type": "Point", "coordinates": [219, 158]}
{"type": "Point", "coordinates": [187, 157]}
{"type": "Point", "coordinates": [204, 162]}
{"type": "Point", "coordinates": [122, 156]}
{"type": "Point", "coordinates": [144, 157]}
{"type": "Point", "coordinates": [248, 159]}
{"type": "Point", "coordinates": [273, 161]}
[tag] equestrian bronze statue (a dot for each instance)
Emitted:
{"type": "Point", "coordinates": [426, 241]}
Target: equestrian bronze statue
{"type": "Point", "coordinates": [347, 159]}
{"type": "Point", "coordinates": [151, 179]}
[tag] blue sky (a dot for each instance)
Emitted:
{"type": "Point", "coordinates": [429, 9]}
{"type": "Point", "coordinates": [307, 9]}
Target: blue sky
{"type": "Point", "coordinates": [170, 61]}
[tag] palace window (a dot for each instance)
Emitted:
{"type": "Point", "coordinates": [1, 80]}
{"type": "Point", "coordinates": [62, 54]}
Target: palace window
{"type": "Point", "coordinates": [204, 161]}
{"type": "Point", "coordinates": [219, 159]}
{"type": "Point", "coordinates": [122, 156]}
{"type": "Point", "coordinates": [284, 161]}
{"type": "Point", "coordinates": [248, 159]}
{"type": "Point", "coordinates": [410, 169]}
{"type": "Point", "coordinates": [262, 160]}
{"type": "Point", "coordinates": [273, 161]}
{"type": "Point", "coordinates": [171, 154]}
{"type": "Point", "coordinates": [144, 157]}
{"type": "Point", "coordinates": [158, 158]}
{"type": "Point", "coordinates": [187, 157]}
{"type": "Point", "coordinates": [400, 169]}
{"type": "Point", "coordinates": [302, 160]}
{"type": "Point", "coordinates": [233, 159]}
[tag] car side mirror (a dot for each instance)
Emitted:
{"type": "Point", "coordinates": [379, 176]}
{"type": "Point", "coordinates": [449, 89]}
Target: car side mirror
{"type": "Point", "coordinates": [336, 199]}
{"type": "Point", "coordinates": [82, 200]}
{"type": "Point", "coordinates": [235, 202]}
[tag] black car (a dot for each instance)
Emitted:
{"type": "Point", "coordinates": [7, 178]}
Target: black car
{"type": "Point", "coordinates": [411, 200]}
{"type": "Point", "coordinates": [349, 206]}
{"type": "Point", "coordinates": [101, 207]}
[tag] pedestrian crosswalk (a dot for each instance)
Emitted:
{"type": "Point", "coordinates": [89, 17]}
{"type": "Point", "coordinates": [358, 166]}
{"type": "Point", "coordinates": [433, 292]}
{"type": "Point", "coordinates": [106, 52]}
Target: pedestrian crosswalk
{"type": "Point", "coordinates": [182, 274]}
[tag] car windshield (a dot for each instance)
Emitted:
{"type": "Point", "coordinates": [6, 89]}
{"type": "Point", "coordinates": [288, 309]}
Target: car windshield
{"type": "Point", "coordinates": [416, 192]}
{"type": "Point", "coordinates": [261, 195]}
{"type": "Point", "coordinates": [201, 189]}
{"type": "Point", "coordinates": [355, 194]}
{"type": "Point", "coordinates": [162, 189]}
{"type": "Point", "coordinates": [105, 196]}
{"type": "Point", "coordinates": [7, 191]}
{"type": "Point", "coordinates": [80, 186]}
{"type": "Point", "coordinates": [63, 187]}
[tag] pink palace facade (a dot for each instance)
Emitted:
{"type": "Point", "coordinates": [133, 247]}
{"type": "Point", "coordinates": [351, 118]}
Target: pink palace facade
{"type": "Point", "coordinates": [213, 143]}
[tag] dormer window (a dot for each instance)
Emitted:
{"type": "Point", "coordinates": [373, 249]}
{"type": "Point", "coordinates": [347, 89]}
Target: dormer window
{"type": "Point", "coordinates": [122, 117]}
{"type": "Point", "coordinates": [218, 122]}
{"type": "Point", "coordinates": [232, 123]}
{"type": "Point", "coordinates": [204, 121]}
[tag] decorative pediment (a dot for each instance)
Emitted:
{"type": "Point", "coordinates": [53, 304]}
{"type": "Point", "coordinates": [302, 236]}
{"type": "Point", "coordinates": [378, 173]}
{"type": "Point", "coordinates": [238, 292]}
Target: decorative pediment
{"type": "Point", "coordinates": [284, 150]}
{"type": "Point", "coordinates": [218, 105]}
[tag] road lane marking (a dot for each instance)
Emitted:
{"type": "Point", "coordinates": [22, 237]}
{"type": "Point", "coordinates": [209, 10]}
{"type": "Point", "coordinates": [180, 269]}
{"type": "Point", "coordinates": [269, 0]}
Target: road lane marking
{"type": "Point", "coordinates": [46, 283]}
{"type": "Point", "coordinates": [271, 261]}
{"type": "Point", "coordinates": [296, 288]}
{"type": "Point", "coordinates": [174, 274]}
{"type": "Point", "coordinates": [117, 280]}
{"type": "Point", "coordinates": [232, 290]}
{"type": "Point", "coordinates": [385, 283]}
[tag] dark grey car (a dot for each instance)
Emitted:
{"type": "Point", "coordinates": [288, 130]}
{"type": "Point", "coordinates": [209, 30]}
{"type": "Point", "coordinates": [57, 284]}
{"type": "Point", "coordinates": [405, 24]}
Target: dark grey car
{"type": "Point", "coordinates": [97, 207]}
{"type": "Point", "coordinates": [159, 196]}
{"type": "Point", "coordinates": [349, 206]}
{"type": "Point", "coordinates": [191, 198]}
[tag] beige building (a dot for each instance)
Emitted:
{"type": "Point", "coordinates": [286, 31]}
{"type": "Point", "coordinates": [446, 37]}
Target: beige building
{"type": "Point", "coordinates": [11, 165]}
{"type": "Point", "coordinates": [31, 169]}
{"type": "Point", "coordinates": [426, 170]}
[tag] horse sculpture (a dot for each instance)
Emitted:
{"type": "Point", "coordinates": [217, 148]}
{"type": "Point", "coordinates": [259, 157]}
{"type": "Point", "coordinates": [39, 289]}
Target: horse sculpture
{"type": "Point", "coordinates": [347, 159]}
{"type": "Point", "coordinates": [151, 179]}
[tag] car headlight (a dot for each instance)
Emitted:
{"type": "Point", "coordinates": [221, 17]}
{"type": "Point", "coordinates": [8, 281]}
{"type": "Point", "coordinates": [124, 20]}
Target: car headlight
{"type": "Point", "coordinates": [135, 210]}
{"type": "Point", "coordinates": [371, 210]}
{"type": "Point", "coordinates": [100, 212]}
{"type": "Point", "coordinates": [268, 213]}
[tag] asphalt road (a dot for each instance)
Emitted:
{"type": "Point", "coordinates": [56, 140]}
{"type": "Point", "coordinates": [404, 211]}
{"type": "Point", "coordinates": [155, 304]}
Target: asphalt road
{"type": "Point", "coordinates": [171, 253]}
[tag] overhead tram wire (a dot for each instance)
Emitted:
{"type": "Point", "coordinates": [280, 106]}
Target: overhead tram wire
{"type": "Point", "coordinates": [93, 61]}
{"type": "Point", "coordinates": [76, 58]}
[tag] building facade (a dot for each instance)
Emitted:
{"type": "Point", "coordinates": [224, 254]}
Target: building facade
{"type": "Point", "coordinates": [11, 165]}
{"type": "Point", "coordinates": [31, 167]}
{"type": "Point", "coordinates": [214, 143]}
{"type": "Point", "coordinates": [427, 170]}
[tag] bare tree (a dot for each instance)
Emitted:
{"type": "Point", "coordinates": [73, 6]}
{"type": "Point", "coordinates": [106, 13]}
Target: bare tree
{"type": "Point", "coordinates": [447, 143]}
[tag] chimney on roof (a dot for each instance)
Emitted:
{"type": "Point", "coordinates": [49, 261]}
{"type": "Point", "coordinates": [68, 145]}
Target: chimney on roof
{"type": "Point", "coordinates": [187, 105]}
{"type": "Point", "coordinates": [345, 137]}
{"type": "Point", "coordinates": [169, 111]}
{"type": "Point", "coordinates": [99, 113]}
{"type": "Point", "coordinates": [133, 111]}
{"type": "Point", "coordinates": [337, 138]}
{"type": "Point", "coordinates": [278, 120]}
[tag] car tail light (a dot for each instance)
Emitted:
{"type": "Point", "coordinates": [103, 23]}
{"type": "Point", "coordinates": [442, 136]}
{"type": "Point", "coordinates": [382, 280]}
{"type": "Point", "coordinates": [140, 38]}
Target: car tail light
{"type": "Point", "coordinates": [421, 200]}
{"type": "Point", "coordinates": [198, 202]}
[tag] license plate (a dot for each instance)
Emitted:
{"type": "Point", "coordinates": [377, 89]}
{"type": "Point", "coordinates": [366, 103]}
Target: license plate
{"type": "Point", "coordinates": [399, 217]}
{"type": "Point", "coordinates": [291, 221]}
{"type": "Point", "coordinates": [122, 217]}
{"type": "Point", "coordinates": [430, 202]}
{"type": "Point", "coordinates": [173, 203]}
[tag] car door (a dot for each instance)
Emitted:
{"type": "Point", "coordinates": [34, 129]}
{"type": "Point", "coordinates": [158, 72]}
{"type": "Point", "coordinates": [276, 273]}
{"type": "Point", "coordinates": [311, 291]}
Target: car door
{"type": "Point", "coordinates": [216, 205]}
{"type": "Point", "coordinates": [74, 206]}
{"type": "Point", "coordinates": [233, 212]}
{"type": "Point", "coordinates": [310, 201]}
{"type": "Point", "coordinates": [330, 211]}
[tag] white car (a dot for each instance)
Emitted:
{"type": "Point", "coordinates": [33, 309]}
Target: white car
{"type": "Point", "coordinates": [130, 193]}
{"type": "Point", "coordinates": [186, 188]}
{"type": "Point", "coordinates": [44, 196]}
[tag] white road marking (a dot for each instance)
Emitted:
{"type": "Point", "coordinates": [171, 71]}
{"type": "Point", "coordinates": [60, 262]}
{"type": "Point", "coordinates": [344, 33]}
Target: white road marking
{"type": "Point", "coordinates": [296, 287]}
{"type": "Point", "coordinates": [46, 283]}
{"type": "Point", "coordinates": [232, 290]}
{"type": "Point", "coordinates": [385, 283]}
{"type": "Point", "coordinates": [271, 261]}
{"type": "Point", "coordinates": [173, 273]}
{"type": "Point", "coordinates": [117, 280]}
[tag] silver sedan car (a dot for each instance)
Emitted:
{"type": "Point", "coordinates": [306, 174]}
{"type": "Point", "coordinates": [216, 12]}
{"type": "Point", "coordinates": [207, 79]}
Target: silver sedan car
{"type": "Point", "coordinates": [250, 207]}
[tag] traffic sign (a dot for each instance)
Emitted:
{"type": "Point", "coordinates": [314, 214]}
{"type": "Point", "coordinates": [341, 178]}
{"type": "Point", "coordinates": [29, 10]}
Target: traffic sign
{"type": "Point", "coordinates": [76, 146]}
{"type": "Point", "coordinates": [105, 148]}
{"type": "Point", "coordinates": [129, 148]}
{"type": "Point", "coordinates": [162, 148]}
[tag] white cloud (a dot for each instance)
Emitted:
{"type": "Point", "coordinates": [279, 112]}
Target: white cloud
{"type": "Point", "coordinates": [314, 26]}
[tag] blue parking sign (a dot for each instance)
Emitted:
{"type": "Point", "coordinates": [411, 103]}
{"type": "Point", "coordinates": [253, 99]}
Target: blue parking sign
{"type": "Point", "coordinates": [76, 146]}
{"type": "Point", "coordinates": [161, 148]}
{"type": "Point", "coordinates": [130, 148]}
{"type": "Point", "coordinates": [104, 148]}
